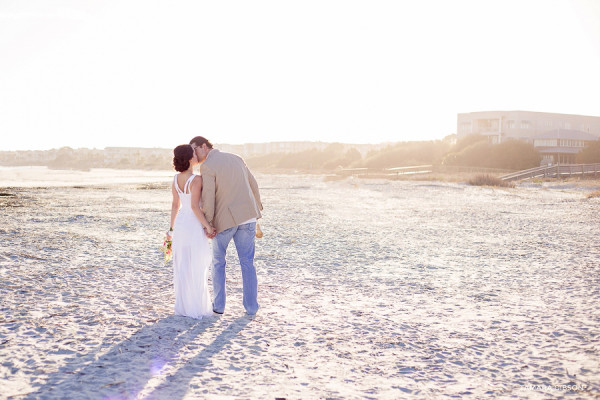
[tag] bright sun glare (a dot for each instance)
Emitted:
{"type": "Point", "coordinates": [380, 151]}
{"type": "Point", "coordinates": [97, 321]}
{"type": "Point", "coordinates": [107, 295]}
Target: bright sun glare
{"type": "Point", "coordinates": [131, 73]}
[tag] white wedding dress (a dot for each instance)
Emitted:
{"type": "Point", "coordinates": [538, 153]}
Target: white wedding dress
{"type": "Point", "coordinates": [192, 258]}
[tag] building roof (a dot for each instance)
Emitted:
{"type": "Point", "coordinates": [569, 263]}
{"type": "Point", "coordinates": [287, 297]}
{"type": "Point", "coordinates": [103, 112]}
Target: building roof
{"type": "Point", "coordinates": [566, 134]}
{"type": "Point", "coordinates": [506, 112]}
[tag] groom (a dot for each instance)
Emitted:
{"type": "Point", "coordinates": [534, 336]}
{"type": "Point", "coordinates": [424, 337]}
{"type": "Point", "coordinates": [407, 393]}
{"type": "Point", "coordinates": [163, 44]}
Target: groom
{"type": "Point", "coordinates": [231, 203]}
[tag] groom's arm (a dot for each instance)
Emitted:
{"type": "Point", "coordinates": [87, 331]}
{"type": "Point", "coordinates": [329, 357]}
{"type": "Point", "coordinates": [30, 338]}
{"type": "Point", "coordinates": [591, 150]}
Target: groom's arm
{"type": "Point", "coordinates": [208, 193]}
{"type": "Point", "coordinates": [254, 187]}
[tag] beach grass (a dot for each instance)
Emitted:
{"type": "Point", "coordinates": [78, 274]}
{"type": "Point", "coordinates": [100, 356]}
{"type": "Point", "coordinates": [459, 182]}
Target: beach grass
{"type": "Point", "coordinates": [488, 180]}
{"type": "Point", "coordinates": [594, 194]}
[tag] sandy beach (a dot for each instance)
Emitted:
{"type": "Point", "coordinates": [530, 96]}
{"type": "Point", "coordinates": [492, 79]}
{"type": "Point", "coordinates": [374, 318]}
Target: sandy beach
{"type": "Point", "coordinates": [369, 289]}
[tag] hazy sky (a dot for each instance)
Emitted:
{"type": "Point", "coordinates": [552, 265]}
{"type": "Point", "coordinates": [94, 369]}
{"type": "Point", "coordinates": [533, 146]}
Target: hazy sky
{"type": "Point", "coordinates": [156, 73]}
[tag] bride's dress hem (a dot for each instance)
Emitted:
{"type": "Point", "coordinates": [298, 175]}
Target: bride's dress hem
{"type": "Point", "coordinates": [198, 317]}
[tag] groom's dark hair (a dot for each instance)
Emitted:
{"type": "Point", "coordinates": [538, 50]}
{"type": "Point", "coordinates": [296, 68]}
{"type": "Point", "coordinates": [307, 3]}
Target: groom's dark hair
{"type": "Point", "coordinates": [199, 141]}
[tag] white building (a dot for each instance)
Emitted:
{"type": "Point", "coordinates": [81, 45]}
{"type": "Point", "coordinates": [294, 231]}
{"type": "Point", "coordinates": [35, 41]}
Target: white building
{"type": "Point", "coordinates": [558, 137]}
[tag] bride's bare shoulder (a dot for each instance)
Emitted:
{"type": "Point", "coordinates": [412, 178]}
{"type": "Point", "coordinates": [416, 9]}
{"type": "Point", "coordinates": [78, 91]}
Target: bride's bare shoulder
{"type": "Point", "coordinates": [197, 180]}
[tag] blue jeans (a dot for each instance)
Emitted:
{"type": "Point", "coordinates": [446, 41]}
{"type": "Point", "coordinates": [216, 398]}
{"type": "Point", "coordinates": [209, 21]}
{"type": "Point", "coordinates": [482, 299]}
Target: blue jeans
{"type": "Point", "coordinates": [243, 237]}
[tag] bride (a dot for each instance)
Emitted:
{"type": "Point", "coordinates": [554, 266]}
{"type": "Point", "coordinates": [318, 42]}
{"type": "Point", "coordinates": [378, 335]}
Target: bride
{"type": "Point", "coordinates": [192, 255]}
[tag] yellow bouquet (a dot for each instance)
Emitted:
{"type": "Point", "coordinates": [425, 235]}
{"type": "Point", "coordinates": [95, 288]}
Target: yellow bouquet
{"type": "Point", "coordinates": [166, 249]}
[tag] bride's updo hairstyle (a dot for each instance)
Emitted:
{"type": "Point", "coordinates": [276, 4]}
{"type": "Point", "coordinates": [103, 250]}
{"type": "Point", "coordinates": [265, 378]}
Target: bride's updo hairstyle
{"type": "Point", "coordinates": [182, 155]}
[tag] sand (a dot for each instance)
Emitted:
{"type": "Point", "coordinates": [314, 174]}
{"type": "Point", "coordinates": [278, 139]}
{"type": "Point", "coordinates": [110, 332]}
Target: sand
{"type": "Point", "coordinates": [368, 289]}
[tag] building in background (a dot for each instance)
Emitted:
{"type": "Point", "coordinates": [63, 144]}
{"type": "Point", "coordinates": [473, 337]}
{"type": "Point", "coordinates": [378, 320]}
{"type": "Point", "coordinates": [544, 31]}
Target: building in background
{"type": "Point", "coordinates": [259, 149]}
{"type": "Point", "coordinates": [558, 137]}
{"type": "Point", "coordinates": [561, 145]}
{"type": "Point", "coordinates": [136, 157]}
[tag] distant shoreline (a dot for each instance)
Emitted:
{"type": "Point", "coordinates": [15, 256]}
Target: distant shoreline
{"type": "Point", "coordinates": [42, 176]}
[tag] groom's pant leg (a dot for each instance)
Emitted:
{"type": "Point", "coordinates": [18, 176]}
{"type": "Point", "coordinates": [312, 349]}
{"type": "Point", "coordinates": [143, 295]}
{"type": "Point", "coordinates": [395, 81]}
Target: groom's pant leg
{"type": "Point", "coordinates": [219, 247]}
{"type": "Point", "coordinates": [244, 244]}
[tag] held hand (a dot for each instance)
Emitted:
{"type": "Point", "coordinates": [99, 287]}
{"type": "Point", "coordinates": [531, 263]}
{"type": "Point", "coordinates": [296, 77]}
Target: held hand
{"type": "Point", "coordinates": [259, 232]}
{"type": "Point", "coordinates": [170, 235]}
{"type": "Point", "coordinates": [210, 232]}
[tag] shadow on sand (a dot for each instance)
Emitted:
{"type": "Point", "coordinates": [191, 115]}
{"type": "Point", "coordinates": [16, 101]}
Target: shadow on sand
{"type": "Point", "coordinates": [199, 363]}
{"type": "Point", "coordinates": [125, 369]}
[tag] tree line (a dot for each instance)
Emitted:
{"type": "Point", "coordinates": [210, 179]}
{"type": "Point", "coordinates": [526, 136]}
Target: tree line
{"type": "Point", "coordinates": [471, 151]}
{"type": "Point", "coordinates": [84, 159]}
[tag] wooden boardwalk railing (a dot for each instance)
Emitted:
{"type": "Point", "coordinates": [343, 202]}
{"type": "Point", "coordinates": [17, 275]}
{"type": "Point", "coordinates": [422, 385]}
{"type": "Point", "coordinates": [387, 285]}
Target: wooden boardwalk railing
{"type": "Point", "coordinates": [415, 169]}
{"type": "Point", "coordinates": [554, 171]}
{"type": "Point", "coordinates": [365, 172]}
{"type": "Point", "coordinates": [419, 169]}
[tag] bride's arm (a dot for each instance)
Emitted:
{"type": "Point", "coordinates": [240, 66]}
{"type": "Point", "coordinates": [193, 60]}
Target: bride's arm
{"type": "Point", "coordinates": [196, 197]}
{"type": "Point", "coordinates": [174, 204]}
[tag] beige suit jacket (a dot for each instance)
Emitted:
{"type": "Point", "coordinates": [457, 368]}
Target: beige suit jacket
{"type": "Point", "coordinates": [229, 191]}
